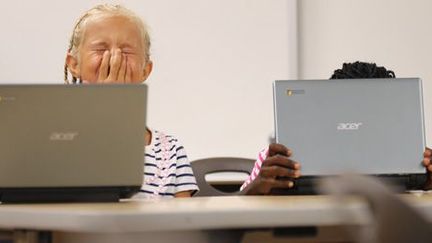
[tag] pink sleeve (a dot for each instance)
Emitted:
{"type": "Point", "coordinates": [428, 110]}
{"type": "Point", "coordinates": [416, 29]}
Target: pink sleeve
{"type": "Point", "coordinates": [257, 167]}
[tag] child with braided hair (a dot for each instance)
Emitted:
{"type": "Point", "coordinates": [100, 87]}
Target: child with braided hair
{"type": "Point", "coordinates": [111, 44]}
{"type": "Point", "coordinates": [274, 164]}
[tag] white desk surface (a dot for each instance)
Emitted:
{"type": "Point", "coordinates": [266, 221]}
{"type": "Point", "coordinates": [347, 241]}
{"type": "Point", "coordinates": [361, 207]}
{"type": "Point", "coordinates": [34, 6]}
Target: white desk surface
{"type": "Point", "coordinates": [191, 214]}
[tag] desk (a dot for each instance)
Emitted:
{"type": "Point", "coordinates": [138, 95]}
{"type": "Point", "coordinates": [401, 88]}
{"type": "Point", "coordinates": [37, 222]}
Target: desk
{"type": "Point", "coordinates": [186, 220]}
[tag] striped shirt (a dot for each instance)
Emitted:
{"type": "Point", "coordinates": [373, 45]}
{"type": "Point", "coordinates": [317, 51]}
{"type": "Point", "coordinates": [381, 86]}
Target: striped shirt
{"type": "Point", "coordinates": [167, 170]}
{"type": "Point", "coordinates": [257, 167]}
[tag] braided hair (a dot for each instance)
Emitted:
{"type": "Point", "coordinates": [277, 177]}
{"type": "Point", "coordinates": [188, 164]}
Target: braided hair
{"type": "Point", "coordinates": [362, 70]}
{"type": "Point", "coordinates": [74, 41]}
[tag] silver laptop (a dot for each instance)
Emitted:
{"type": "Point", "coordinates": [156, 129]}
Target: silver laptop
{"type": "Point", "coordinates": [71, 142]}
{"type": "Point", "coordinates": [368, 126]}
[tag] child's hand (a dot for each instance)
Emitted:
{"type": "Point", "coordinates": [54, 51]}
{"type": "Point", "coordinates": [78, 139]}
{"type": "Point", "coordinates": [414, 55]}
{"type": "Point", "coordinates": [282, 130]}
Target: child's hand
{"type": "Point", "coordinates": [427, 163]}
{"type": "Point", "coordinates": [114, 68]}
{"type": "Point", "coordinates": [277, 171]}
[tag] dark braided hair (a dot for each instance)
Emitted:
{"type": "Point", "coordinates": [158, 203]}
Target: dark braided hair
{"type": "Point", "coordinates": [362, 70]}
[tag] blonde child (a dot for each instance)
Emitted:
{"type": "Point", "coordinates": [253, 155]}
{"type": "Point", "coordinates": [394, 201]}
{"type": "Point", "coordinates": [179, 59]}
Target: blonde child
{"type": "Point", "coordinates": [111, 44]}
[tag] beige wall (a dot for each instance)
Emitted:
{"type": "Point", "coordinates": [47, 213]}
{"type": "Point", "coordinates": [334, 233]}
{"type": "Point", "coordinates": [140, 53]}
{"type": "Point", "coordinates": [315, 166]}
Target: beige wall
{"type": "Point", "coordinates": [394, 33]}
{"type": "Point", "coordinates": [215, 60]}
{"type": "Point", "coordinates": [214, 63]}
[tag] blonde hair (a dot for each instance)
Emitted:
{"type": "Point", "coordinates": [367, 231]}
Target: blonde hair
{"type": "Point", "coordinates": [99, 10]}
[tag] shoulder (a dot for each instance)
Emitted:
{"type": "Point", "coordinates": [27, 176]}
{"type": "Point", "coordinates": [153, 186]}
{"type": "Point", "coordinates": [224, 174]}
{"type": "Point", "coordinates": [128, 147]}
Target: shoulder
{"type": "Point", "coordinates": [162, 141]}
{"type": "Point", "coordinates": [162, 138]}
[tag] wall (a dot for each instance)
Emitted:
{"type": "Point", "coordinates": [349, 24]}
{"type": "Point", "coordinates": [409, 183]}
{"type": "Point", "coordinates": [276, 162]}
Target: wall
{"type": "Point", "coordinates": [393, 33]}
{"type": "Point", "coordinates": [214, 63]}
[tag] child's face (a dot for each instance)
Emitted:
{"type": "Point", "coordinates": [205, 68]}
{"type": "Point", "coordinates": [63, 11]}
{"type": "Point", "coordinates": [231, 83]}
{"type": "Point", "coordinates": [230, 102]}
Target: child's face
{"type": "Point", "coordinates": [111, 51]}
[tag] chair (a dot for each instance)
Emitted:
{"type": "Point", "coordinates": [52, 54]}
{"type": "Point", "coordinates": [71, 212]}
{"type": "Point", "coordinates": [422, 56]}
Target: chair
{"type": "Point", "coordinates": [393, 218]}
{"type": "Point", "coordinates": [202, 167]}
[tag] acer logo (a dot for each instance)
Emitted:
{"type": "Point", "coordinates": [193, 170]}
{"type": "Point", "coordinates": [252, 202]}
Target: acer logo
{"type": "Point", "coordinates": [63, 136]}
{"type": "Point", "coordinates": [6, 98]}
{"type": "Point", "coordinates": [349, 126]}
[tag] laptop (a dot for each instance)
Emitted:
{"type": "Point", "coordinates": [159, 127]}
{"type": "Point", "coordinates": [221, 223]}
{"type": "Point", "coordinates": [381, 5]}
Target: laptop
{"type": "Point", "coordinates": [66, 143]}
{"type": "Point", "coordinates": [366, 126]}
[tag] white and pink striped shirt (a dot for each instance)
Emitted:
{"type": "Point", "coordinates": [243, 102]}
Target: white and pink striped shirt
{"type": "Point", "coordinates": [167, 170]}
{"type": "Point", "coordinates": [257, 167]}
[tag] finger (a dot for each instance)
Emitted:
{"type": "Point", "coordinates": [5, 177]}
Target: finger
{"type": "Point", "coordinates": [277, 171]}
{"type": "Point", "coordinates": [427, 152]}
{"type": "Point", "coordinates": [282, 161]}
{"type": "Point", "coordinates": [265, 186]}
{"type": "Point", "coordinates": [276, 148]}
{"type": "Point", "coordinates": [103, 69]}
{"type": "Point", "coordinates": [122, 71]}
{"type": "Point", "coordinates": [128, 78]}
{"type": "Point", "coordinates": [429, 168]}
{"type": "Point", "coordinates": [273, 183]}
{"type": "Point", "coordinates": [115, 63]}
{"type": "Point", "coordinates": [135, 72]}
{"type": "Point", "coordinates": [426, 162]}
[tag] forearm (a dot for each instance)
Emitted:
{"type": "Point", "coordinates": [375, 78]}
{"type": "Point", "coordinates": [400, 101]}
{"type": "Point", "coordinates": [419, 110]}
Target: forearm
{"type": "Point", "coordinates": [183, 194]}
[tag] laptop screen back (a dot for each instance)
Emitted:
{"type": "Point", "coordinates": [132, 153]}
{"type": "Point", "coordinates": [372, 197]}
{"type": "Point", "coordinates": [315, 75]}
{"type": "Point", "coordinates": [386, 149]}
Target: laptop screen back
{"type": "Point", "coordinates": [72, 135]}
{"type": "Point", "coordinates": [370, 126]}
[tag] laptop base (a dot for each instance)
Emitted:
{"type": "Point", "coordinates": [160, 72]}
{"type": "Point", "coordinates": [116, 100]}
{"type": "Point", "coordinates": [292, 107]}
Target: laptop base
{"type": "Point", "coordinates": [307, 185]}
{"type": "Point", "coordinates": [63, 195]}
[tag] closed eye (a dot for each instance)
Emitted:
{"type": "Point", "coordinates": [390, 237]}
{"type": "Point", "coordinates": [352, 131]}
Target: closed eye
{"type": "Point", "coordinates": [100, 50]}
{"type": "Point", "coordinates": [127, 50]}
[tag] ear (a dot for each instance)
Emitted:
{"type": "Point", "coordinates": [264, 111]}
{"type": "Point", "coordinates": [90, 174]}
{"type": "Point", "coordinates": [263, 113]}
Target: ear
{"type": "Point", "coordinates": [72, 64]}
{"type": "Point", "coordinates": [147, 70]}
